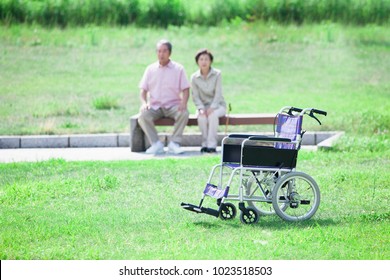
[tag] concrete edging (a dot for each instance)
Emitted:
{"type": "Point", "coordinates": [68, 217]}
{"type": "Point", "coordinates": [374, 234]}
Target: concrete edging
{"type": "Point", "coordinates": [321, 139]}
{"type": "Point", "coordinates": [329, 142]}
{"type": "Point", "coordinates": [65, 141]}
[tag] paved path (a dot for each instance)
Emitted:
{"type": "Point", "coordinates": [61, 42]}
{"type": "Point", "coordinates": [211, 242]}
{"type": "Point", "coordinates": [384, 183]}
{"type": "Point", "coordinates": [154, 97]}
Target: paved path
{"type": "Point", "coordinates": [83, 154]}
{"type": "Point", "coordinates": [106, 147]}
{"type": "Point", "coordinates": [92, 154]}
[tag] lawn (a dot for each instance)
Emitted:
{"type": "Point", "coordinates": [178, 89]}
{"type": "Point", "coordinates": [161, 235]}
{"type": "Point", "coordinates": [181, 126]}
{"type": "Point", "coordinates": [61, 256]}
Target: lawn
{"type": "Point", "coordinates": [131, 210]}
{"type": "Point", "coordinates": [84, 80]}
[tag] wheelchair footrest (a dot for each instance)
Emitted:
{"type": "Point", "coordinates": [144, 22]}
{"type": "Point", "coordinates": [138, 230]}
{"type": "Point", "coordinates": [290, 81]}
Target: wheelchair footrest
{"type": "Point", "coordinates": [213, 191]}
{"type": "Point", "coordinates": [197, 209]}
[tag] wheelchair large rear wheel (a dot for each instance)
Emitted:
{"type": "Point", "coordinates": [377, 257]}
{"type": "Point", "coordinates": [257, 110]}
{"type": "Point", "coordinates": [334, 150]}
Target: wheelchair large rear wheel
{"type": "Point", "coordinates": [300, 193]}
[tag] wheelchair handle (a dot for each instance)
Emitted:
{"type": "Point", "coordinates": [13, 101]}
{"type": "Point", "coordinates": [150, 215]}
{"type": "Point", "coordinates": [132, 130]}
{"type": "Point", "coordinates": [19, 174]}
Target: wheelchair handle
{"type": "Point", "coordinates": [309, 111]}
{"type": "Point", "coordinates": [312, 111]}
{"type": "Point", "coordinates": [319, 112]}
{"type": "Point", "coordinates": [289, 110]}
{"type": "Point", "coordinates": [294, 109]}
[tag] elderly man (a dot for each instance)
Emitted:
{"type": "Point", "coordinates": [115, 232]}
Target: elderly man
{"type": "Point", "coordinates": [164, 93]}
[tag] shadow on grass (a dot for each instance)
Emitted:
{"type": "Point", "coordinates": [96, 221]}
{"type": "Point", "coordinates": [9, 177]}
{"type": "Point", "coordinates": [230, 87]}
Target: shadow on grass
{"type": "Point", "coordinates": [276, 223]}
{"type": "Point", "coordinates": [270, 223]}
{"type": "Point", "coordinates": [215, 224]}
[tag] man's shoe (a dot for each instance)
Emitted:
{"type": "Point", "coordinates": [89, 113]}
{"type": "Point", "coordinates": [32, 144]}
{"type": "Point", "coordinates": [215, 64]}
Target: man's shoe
{"type": "Point", "coordinates": [155, 149]}
{"type": "Point", "coordinates": [175, 148]}
{"type": "Point", "coordinates": [203, 150]}
{"type": "Point", "coordinates": [211, 150]}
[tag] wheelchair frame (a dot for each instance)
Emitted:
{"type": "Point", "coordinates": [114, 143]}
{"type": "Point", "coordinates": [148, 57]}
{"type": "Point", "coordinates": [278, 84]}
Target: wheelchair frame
{"type": "Point", "coordinates": [269, 164]}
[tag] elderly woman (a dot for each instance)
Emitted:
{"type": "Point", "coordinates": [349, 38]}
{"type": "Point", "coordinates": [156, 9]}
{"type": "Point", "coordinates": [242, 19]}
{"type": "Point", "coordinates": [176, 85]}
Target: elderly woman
{"type": "Point", "coordinates": [207, 95]}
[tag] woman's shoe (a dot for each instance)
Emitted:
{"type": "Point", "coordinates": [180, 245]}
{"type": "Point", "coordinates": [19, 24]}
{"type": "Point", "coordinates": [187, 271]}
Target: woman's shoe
{"type": "Point", "coordinates": [204, 150]}
{"type": "Point", "coordinates": [211, 150]}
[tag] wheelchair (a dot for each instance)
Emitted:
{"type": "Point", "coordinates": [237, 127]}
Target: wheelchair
{"type": "Point", "coordinates": [264, 169]}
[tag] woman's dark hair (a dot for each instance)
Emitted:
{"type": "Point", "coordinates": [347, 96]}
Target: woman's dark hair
{"type": "Point", "coordinates": [201, 52]}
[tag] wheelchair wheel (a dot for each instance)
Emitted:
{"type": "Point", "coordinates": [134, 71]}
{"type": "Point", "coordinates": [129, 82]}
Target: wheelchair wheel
{"type": "Point", "coordinates": [249, 216]}
{"type": "Point", "coordinates": [228, 211]}
{"type": "Point", "coordinates": [300, 193]}
{"type": "Point", "coordinates": [263, 208]}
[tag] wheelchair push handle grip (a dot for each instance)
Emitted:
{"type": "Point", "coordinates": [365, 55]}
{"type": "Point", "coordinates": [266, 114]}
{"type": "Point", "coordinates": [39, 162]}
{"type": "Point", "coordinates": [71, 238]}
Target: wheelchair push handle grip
{"type": "Point", "coordinates": [319, 112]}
{"type": "Point", "coordinates": [294, 109]}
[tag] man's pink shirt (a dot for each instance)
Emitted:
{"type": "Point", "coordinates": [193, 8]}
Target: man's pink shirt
{"type": "Point", "coordinates": [164, 84]}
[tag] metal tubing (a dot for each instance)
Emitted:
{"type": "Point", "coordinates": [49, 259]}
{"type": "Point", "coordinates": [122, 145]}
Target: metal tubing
{"type": "Point", "coordinates": [212, 172]}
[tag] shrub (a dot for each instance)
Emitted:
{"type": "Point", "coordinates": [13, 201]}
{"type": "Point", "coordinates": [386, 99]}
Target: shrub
{"type": "Point", "coordinates": [163, 13]}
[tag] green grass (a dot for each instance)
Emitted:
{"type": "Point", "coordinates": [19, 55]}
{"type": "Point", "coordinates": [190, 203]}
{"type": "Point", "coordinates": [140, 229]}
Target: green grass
{"type": "Point", "coordinates": [131, 210]}
{"type": "Point", "coordinates": [51, 77]}
{"type": "Point", "coordinates": [105, 103]}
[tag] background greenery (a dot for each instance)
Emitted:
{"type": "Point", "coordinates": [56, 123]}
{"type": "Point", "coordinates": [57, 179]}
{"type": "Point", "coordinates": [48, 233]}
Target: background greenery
{"type": "Point", "coordinates": [202, 12]}
{"type": "Point", "coordinates": [85, 80]}
{"type": "Point", "coordinates": [334, 55]}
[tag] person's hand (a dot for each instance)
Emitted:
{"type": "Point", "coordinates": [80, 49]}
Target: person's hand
{"type": "Point", "coordinates": [209, 111]}
{"type": "Point", "coordinates": [144, 107]}
{"type": "Point", "coordinates": [182, 107]}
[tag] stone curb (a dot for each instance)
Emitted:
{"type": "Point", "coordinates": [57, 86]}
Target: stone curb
{"type": "Point", "coordinates": [328, 142]}
{"type": "Point", "coordinates": [323, 139]}
{"type": "Point", "coordinates": [65, 141]}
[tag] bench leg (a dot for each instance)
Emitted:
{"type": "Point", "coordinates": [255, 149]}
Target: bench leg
{"type": "Point", "coordinates": [137, 136]}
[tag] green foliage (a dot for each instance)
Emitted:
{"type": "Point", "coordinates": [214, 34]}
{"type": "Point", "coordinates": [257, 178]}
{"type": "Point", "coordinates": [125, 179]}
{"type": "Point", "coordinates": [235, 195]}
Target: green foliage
{"type": "Point", "coordinates": [163, 13]}
{"type": "Point", "coordinates": [69, 12]}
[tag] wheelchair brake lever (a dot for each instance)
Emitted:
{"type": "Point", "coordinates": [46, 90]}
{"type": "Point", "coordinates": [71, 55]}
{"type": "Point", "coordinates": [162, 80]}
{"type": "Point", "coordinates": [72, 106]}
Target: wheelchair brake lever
{"type": "Point", "coordinates": [314, 117]}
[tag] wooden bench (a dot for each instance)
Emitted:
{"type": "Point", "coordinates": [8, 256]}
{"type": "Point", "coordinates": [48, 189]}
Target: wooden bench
{"type": "Point", "coordinates": [139, 143]}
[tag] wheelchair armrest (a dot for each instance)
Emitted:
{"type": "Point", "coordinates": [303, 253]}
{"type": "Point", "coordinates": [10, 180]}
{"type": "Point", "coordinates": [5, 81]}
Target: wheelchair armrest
{"type": "Point", "coordinates": [242, 136]}
{"type": "Point", "coordinates": [269, 139]}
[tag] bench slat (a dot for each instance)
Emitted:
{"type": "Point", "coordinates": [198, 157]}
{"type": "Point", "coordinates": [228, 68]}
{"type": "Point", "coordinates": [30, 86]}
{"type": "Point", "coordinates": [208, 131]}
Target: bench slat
{"type": "Point", "coordinates": [238, 119]}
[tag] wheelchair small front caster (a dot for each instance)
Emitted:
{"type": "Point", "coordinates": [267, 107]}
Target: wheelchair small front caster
{"type": "Point", "coordinates": [249, 216]}
{"type": "Point", "coordinates": [228, 211]}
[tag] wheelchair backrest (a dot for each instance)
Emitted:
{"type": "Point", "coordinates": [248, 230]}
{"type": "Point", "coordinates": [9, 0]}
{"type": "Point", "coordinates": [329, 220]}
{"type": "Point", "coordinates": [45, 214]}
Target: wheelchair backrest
{"type": "Point", "coordinates": [288, 126]}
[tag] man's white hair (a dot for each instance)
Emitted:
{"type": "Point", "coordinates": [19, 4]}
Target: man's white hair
{"type": "Point", "coordinates": [165, 42]}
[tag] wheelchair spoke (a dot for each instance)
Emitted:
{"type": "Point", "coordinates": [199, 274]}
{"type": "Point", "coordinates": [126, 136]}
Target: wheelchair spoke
{"type": "Point", "coordinates": [302, 196]}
